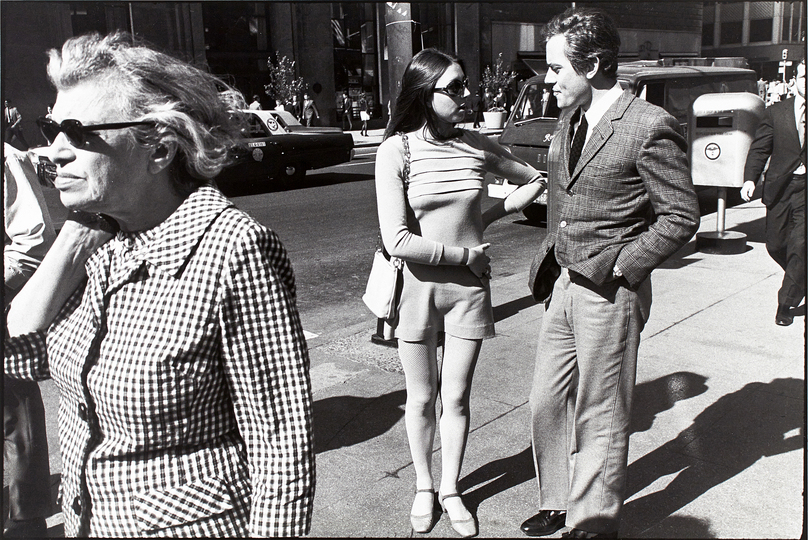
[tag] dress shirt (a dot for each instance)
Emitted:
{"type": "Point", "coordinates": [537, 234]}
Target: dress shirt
{"type": "Point", "coordinates": [28, 229]}
{"type": "Point", "coordinates": [183, 373]}
{"type": "Point", "coordinates": [599, 108]}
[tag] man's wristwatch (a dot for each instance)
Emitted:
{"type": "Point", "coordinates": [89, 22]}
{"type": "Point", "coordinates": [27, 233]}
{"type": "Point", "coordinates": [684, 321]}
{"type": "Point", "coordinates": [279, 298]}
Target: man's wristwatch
{"type": "Point", "coordinates": [616, 272]}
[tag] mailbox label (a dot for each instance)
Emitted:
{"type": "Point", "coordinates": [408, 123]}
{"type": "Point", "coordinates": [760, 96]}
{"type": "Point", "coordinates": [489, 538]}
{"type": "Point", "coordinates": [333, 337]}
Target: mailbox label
{"type": "Point", "coordinates": [712, 151]}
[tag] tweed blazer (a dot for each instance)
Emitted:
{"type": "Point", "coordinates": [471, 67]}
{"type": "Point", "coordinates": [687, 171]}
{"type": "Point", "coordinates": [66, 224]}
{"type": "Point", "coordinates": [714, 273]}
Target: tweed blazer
{"type": "Point", "coordinates": [629, 202]}
{"type": "Point", "coordinates": [185, 400]}
{"type": "Point", "coordinates": [776, 137]}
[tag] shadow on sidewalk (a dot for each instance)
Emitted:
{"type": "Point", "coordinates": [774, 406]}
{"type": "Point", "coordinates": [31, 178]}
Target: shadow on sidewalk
{"type": "Point", "coordinates": [725, 439]}
{"type": "Point", "coordinates": [341, 421]}
{"type": "Point", "coordinates": [650, 399]}
{"type": "Point", "coordinates": [509, 309]}
{"type": "Point", "coordinates": [755, 230]}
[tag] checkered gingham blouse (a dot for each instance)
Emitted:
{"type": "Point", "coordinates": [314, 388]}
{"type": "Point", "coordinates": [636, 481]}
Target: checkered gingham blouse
{"type": "Point", "coordinates": [184, 377]}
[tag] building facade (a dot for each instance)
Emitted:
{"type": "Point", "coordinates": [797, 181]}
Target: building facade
{"type": "Point", "coordinates": [765, 33]}
{"type": "Point", "coordinates": [362, 47]}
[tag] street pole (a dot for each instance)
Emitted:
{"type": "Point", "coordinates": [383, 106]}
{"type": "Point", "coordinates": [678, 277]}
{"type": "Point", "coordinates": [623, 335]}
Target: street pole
{"type": "Point", "coordinates": [398, 21]}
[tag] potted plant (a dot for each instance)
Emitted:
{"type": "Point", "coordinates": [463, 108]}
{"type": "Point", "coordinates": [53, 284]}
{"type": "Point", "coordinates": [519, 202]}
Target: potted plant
{"type": "Point", "coordinates": [494, 85]}
{"type": "Point", "coordinates": [283, 84]}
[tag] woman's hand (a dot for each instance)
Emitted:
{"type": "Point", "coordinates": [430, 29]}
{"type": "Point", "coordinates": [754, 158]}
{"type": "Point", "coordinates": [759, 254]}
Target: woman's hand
{"type": "Point", "coordinates": [83, 233]}
{"type": "Point", "coordinates": [59, 274]}
{"type": "Point", "coordinates": [479, 262]}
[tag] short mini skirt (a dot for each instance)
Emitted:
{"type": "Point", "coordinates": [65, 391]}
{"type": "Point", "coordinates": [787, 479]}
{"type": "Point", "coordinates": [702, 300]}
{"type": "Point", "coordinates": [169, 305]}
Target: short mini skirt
{"type": "Point", "coordinates": [443, 298]}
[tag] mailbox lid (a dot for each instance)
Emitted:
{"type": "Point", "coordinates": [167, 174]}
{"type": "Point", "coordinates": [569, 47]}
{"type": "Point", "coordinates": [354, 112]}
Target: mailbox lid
{"type": "Point", "coordinates": [728, 104]}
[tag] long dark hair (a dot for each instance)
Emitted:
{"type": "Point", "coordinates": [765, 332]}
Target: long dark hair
{"type": "Point", "coordinates": [411, 111]}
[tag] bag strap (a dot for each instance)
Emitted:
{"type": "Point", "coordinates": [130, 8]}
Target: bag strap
{"type": "Point", "coordinates": [407, 159]}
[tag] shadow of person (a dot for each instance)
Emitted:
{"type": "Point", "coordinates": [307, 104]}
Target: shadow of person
{"type": "Point", "coordinates": [650, 399]}
{"type": "Point", "coordinates": [654, 397]}
{"type": "Point", "coordinates": [341, 421]}
{"type": "Point", "coordinates": [725, 439]}
{"type": "Point", "coordinates": [509, 309]}
{"type": "Point", "coordinates": [497, 476]}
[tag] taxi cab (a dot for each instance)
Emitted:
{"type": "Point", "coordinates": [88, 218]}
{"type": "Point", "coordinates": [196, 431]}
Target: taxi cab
{"type": "Point", "coordinates": [277, 150]}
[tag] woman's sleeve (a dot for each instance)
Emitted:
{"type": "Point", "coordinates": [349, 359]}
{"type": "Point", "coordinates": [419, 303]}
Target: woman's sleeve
{"type": "Point", "coordinates": [25, 356]}
{"type": "Point", "coordinates": [501, 162]}
{"type": "Point", "coordinates": [392, 208]}
{"type": "Point", "coordinates": [267, 365]}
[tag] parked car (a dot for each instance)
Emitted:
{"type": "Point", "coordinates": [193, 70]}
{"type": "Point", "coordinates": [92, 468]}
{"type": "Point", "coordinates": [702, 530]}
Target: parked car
{"type": "Point", "coordinates": [673, 84]}
{"type": "Point", "coordinates": [278, 150]}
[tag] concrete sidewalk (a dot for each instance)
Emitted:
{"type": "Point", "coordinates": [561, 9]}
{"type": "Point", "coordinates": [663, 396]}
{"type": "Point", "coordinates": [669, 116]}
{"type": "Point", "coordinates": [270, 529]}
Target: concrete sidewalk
{"type": "Point", "coordinates": [718, 426]}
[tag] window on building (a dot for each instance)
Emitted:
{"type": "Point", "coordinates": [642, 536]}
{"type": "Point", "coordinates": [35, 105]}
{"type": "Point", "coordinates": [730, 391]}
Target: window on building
{"type": "Point", "coordinates": [760, 30]}
{"type": "Point", "coordinates": [761, 17]}
{"type": "Point", "coordinates": [707, 34]}
{"type": "Point", "coordinates": [731, 23]}
{"type": "Point", "coordinates": [731, 32]}
{"type": "Point", "coordinates": [353, 29]}
{"type": "Point", "coordinates": [708, 25]}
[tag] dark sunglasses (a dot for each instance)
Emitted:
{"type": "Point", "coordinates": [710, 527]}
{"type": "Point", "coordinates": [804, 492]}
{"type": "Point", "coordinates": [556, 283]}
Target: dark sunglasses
{"type": "Point", "coordinates": [75, 132]}
{"type": "Point", "coordinates": [456, 88]}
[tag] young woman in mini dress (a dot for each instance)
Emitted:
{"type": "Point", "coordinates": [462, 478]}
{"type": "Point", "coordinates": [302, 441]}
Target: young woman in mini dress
{"type": "Point", "coordinates": [429, 186]}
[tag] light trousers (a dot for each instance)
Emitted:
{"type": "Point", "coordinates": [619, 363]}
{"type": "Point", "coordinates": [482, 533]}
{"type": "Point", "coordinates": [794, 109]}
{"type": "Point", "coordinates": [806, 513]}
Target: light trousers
{"type": "Point", "coordinates": [580, 401]}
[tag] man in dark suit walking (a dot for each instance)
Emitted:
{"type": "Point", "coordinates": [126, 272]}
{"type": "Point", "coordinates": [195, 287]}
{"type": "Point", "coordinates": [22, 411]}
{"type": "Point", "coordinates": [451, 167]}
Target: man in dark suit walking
{"type": "Point", "coordinates": [781, 137]}
{"type": "Point", "coordinates": [621, 201]}
{"type": "Point", "coordinates": [12, 121]}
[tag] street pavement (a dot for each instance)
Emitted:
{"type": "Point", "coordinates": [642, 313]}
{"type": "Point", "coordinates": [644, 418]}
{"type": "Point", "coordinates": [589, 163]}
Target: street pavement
{"type": "Point", "coordinates": [717, 444]}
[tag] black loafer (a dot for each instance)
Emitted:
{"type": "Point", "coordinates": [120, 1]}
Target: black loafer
{"type": "Point", "coordinates": [784, 316]}
{"type": "Point", "coordinates": [544, 523]}
{"type": "Point", "coordinates": [578, 533]}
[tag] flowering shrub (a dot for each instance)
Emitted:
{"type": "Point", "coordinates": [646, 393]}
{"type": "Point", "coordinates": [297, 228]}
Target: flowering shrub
{"type": "Point", "coordinates": [495, 80]}
{"type": "Point", "coordinates": [282, 81]}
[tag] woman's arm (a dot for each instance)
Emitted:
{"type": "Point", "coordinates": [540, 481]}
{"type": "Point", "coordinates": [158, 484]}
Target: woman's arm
{"type": "Point", "coordinates": [516, 201]}
{"type": "Point", "coordinates": [392, 208]}
{"type": "Point", "coordinates": [502, 163]}
{"type": "Point", "coordinates": [61, 271]}
{"type": "Point", "coordinates": [266, 361]}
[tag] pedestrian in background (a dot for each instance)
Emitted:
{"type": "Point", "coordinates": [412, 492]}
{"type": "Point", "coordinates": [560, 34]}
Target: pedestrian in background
{"type": "Point", "coordinates": [347, 110]}
{"type": "Point", "coordinates": [256, 103]}
{"type": "Point", "coordinates": [28, 236]}
{"type": "Point", "coordinates": [185, 403]}
{"type": "Point", "coordinates": [780, 141]}
{"type": "Point", "coordinates": [477, 109]}
{"type": "Point", "coordinates": [429, 187]}
{"type": "Point", "coordinates": [309, 109]}
{"type": "Point", "coordinates": [13, 126]}
{"type": "Point", "coordinates": [364, 114]}
{"type": "Point", "coordinates": [620, 202]}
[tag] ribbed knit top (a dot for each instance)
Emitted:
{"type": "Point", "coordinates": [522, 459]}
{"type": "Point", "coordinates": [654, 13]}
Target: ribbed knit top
{"type": "Point", "coordinates": [444, 198]}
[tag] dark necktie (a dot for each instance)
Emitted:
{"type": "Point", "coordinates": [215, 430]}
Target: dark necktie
{"type": "Point", "coordinates": [578, 143]}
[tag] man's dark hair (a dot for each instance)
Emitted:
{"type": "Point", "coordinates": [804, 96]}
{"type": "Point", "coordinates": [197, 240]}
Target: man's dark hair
{"type": "Point", "coordinates": [590, 34]}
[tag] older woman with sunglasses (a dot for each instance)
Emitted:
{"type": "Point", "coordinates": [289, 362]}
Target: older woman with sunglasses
{"type": "Point", "coordinates": [185, 395]}
{"type": "Point", "coordinates": [429, 188]}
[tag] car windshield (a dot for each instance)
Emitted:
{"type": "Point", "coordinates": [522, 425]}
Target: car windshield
{"type": "Point", "coordinates": [537, 101]}
{"type": "Point", "coordinates": [256, 126]}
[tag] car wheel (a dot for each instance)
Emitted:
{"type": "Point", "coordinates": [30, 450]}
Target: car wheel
{"type": "Point", "coordinates": [535, 213]}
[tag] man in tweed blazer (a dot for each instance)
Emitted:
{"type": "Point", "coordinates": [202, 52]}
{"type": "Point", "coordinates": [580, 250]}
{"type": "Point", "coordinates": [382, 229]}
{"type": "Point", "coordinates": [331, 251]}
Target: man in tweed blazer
{"type": "Point", "coordinates": [781, 137]}
{"type": "Point", "coordinates": [623, 208]}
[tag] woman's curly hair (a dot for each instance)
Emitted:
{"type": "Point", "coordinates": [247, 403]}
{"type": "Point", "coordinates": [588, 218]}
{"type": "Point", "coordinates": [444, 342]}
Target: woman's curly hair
{"type": "Point", "coordinates": [182, 103]}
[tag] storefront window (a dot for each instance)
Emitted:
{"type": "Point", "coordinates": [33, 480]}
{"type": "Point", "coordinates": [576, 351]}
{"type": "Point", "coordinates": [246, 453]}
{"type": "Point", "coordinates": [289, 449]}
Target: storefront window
{"type": "Point", "coordinates": [353, 27]}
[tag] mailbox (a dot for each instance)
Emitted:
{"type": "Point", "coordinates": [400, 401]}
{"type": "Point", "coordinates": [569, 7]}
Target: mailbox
{"type": "Point", "coordinates": [720, 131]}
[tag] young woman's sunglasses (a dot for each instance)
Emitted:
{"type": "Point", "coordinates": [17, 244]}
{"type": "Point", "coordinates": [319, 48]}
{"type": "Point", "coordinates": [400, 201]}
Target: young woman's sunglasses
{"type": "Point", "coordinates": [456, 88]}
{"type": "Point", "coordinates": [75, 132]}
